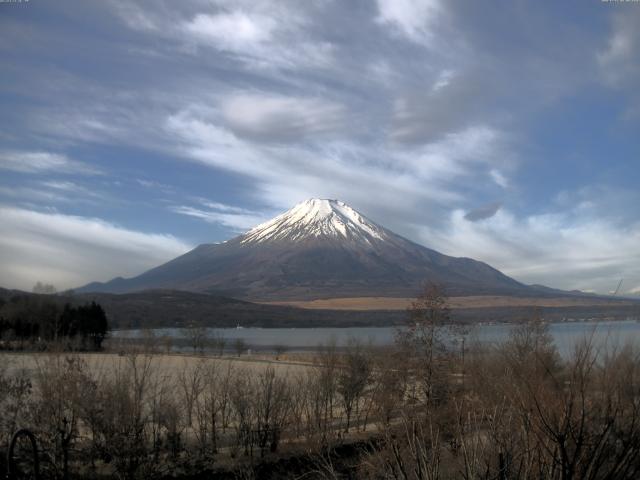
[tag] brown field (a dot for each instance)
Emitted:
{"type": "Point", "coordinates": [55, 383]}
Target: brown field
{"type": "Point", "coordinates": [166, 364]}
{"type": "Point", "coordinates": [392, 303]}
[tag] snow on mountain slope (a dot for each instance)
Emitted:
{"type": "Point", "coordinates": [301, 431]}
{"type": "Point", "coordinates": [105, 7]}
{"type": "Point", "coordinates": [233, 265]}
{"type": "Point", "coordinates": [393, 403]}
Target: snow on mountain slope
{"type": "Point", "coordinates": [313, 218]}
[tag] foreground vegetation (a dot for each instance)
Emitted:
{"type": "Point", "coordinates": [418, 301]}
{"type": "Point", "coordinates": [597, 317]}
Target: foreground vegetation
{"type": "Point", "coordinates": [429, 408]}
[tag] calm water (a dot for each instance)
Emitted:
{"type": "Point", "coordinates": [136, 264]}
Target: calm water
{"type": "Point", "coordinates": [566, 335]}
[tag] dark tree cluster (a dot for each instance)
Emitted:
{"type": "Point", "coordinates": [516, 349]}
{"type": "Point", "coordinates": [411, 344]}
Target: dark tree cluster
{"type": "Point", "coordinates": [87, 322]}
{"type": "Point", "coordinates": [26, 319]}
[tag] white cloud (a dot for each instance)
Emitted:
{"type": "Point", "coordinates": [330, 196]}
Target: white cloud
{"type": "Point", "coordinates": [197, 137]}
{"type": "Point", "coordinates": [43, 162]}
{"type": "Point", "coordinates": [71, 251]}
{"type": "Point", "coordinates": [235, 31]}
{"type": "Point", "coordinates": [263, 36]}
{"type": "Point", "coordinates": [413, 18]}
{"type": "Point", "coordinates": [553, 249]}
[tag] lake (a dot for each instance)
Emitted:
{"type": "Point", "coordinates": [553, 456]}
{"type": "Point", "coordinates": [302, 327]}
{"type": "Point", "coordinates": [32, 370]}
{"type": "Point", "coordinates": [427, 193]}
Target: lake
{"type": "Point", "coordinates": [565, 335]}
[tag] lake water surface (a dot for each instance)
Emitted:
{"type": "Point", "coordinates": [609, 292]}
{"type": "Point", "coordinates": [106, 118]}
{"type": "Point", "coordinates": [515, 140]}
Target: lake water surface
{"type": "Point", "coordinates": [565, 335]}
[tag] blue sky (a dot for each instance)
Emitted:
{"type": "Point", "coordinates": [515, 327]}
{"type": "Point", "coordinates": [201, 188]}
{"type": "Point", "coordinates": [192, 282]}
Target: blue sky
{"type": "Point", "coordinates": [503, 131]}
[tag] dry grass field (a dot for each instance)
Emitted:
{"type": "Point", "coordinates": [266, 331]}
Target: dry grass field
{"type": "Point", "coordinates": [164, 364]}
{"type": "Point", "coordinates": [391, 303]}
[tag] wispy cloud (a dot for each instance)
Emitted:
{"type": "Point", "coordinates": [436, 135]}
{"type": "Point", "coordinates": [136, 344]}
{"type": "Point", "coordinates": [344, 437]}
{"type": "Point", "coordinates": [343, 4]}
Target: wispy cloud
{"type": "Point", "coordinates": [412, 18]}
{"type": "Point", "coordinates": [33, 194]}
{"type": "Point", "coordinates": [71, 250]}
{"type": "Point", "coordinates": [236, 218]}
{"type": "Point", "coordinates": [552, 249]}
{"type": "Point", "coordinates": [54, 192]}
{"type": "Point", "coordinates": [619, 59]}
{"type": "Point", "coordinates": [498, 177]}
{"type": "Point", "coordinates": [430, 179]}
{"type": "Point", "coordinates": [43, 162]}
{"type": "Point", "coordinates": [63, 186]}
{"type": "Point", "coordinates": [259, 36]}
{"type": "Point", "coordinates": [154, 185]}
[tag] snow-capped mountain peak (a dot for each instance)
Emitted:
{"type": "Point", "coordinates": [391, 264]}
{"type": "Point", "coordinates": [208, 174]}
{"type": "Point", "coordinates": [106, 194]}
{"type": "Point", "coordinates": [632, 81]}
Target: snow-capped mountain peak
{"type": "Point", "coordinates": [318, 249]}
{"type": "Point", "coordinates": [315, 218]}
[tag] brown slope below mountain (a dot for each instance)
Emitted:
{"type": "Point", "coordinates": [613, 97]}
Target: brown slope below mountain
{"type": "Point", "coordinates": [485, 301]}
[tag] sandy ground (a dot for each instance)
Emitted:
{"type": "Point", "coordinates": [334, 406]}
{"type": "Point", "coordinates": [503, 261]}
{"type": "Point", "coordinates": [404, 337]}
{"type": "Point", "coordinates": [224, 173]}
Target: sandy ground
{"type": "Point", "coordinates": [390, 303]}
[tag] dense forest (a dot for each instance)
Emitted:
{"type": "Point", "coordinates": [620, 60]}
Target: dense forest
{"type": "Point", "coordinates": [36, 320]}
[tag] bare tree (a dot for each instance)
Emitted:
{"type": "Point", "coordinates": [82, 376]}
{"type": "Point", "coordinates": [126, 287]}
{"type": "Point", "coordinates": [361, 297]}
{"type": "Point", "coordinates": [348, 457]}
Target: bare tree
{"type": "Point", "coordinates": [197, 336]}
{"type": "Point", "coordinates": [240, 346]}
{"type": "Point", "coordinates": [280, 350]}
{"type": "Point", "coordinates": [124, 400]}
{"type": "Point", "coordinates": [353, 378]}
{"type": "Point", "coordinates": [424, 339]}
{"type": "Point", "coordinates": [241, 394]}
{"type": "Point", "coordinates": [149, 342]}
{"type": "Point", "coordinates": [212, 406]}
{"type": "Point", "coordinates": [218, 343]}
{"type": "Point", "coordinates": [190, 382]}
{"type": "Point", "coordinates": [16, 389]}
{"type": "Point", "coordinates": [272, 407]}
{"type": "Point", "coordinates": [60, 382]}
{"type": "Point", "coordinates": [390, 382]}
{"type": "Point", "coordinates": [321, 387]}
{"type": "Point", "coordinates": [528, 414]}
{"type": "Point", "coordinates": [167, 343]}
{"type": "Point", "coordinates": [411, 451]}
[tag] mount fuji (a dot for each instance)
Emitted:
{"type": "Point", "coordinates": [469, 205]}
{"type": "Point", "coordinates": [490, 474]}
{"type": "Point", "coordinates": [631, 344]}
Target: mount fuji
{"type": "Point", "coordinates": [318, 249]}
